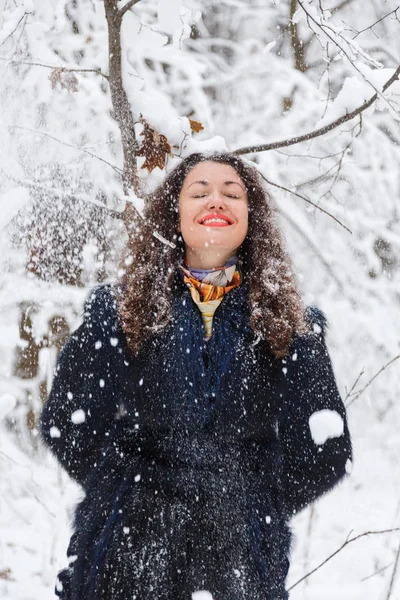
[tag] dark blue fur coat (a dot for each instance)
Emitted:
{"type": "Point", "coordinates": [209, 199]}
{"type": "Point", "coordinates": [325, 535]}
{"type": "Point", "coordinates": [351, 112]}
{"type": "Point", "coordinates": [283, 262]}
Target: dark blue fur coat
{"type": "Point", "coordinates": [193, 456]}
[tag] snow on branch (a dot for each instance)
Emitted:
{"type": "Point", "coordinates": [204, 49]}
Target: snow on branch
{"type": "Point", "coordinates": [322, 130]}
{"type": "Point", "coordinates": [127, 7]}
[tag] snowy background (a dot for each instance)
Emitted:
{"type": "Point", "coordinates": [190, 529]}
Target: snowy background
{"type": "Point", "coordinates": [252, 72]}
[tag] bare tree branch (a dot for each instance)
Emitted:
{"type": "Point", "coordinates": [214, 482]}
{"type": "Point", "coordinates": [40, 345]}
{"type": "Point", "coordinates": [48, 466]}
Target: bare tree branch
{"type": "Point", "coordinates": [396, 564]}
{"type": "Point", "coordinates": [66, 69]}
{"type": "Point", "coordinates": [340, 6]}
{"type": "Point", "coordinates": [361, 373]}
{"type": "Point", "coordinates": [314, 247]}
{"type": "Point", "coordinates": [370, 27]}
{"type": "Point", "coordinates": [15, 28]}
{"type": "Point", "coordinates": [346, 543]}
{"type": "Point", "coordinates": [358, 394]}
{"type": "Point", "coordinates": [376, 572]}
{"type": "Point", "coordinates": [128, 6]}
{"type": "Point", "coordinates": [322, 130]}
{"type": "Point", "coordinates": [43, 189]}
{"type": "Point", "coordinates": [281, 187]}
{"type": "Point", "coordinates": [44, 133]}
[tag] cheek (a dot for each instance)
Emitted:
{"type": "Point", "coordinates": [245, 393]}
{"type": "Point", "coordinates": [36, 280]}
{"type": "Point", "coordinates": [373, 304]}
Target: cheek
{"type": "Point", "coordinates": [188, 213]}
{"type": "Point", "coordinates": [242, 214]}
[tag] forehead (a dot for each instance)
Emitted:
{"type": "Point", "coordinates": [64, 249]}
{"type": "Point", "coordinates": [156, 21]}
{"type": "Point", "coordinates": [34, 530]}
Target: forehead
{"type": "Point", "coordinates": [212, 172]}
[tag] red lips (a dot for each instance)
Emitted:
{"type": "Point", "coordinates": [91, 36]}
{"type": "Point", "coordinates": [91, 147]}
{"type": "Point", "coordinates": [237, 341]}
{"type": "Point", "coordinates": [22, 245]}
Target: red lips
{"type": "Point", "coordinates": [216, 223]}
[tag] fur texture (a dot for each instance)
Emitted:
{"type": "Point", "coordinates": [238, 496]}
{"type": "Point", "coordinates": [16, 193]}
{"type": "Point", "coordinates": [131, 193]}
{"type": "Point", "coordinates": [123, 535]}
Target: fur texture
{"type": "Point", "coordinates": [193, 456]}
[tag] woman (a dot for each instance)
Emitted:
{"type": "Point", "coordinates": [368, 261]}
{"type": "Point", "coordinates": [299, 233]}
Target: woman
{"type": "Point", "coordinates": [196, 404]}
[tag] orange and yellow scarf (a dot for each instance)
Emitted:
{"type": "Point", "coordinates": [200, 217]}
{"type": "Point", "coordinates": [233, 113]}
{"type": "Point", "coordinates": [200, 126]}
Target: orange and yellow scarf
{"type": "Point", "coordinates": [208, 296]}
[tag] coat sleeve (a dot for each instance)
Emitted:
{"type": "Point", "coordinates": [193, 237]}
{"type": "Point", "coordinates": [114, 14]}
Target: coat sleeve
{"type": "Point", "coordinates": [314, 436]}
{"type": "Point", "coordinates": [83, 399]}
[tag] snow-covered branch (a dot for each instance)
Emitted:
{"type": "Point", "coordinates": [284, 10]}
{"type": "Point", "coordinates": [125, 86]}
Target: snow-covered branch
{"type": "Point", "coordinates": [322, 130]}
{"type": "Point", "coordinates": [128, 6]}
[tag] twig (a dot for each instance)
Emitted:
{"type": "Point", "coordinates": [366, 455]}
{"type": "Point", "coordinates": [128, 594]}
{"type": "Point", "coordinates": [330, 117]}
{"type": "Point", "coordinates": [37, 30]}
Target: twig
{"type": "Point", "coordinates": [358, 394]}
{"type": "Point", "coordinates": [376, 572]}
{"type": "Point", "coordinates": [324, 27]}
{"type": "Point", "coordinates": [314, 247]}
{"type": "Point", "coordinates": [281, 187]}
{"type": "Point", "coordinates": [114, 167]}
{"type": "Point", "coordinates": [31, 184]}
{"type": "Point", "coordinates": [361, 373]}
{"type": "Point", "coordinates": [340, 6]}
{"type": "Point", "coordinates": [396, 564]}
{"type": "Point", "coordinates": [64, 69]}
{"type": "Point", "coordinates": [346, 543]}
{"type": "Point", "coordinates": [376, 22]}
{"type": "Point", "coordinates": [15, 29]}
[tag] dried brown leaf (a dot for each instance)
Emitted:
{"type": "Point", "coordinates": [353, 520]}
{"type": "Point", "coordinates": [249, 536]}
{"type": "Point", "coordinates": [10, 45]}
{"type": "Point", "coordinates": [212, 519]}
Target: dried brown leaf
{"type": "Point", "coordinates": [154, 148]}
{"type": "Point", "coordinates": [5, 574]}
{"type": "Point", "coordinates": [66, 79]}
{"type": "Point", "coordinates": [196, 126]}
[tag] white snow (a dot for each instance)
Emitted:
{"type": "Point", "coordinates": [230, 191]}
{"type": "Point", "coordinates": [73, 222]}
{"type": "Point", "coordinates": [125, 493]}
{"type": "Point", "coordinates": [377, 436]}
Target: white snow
{"type": "Point", "coordinates": [78, 416]}
{"type": "Point", "coordinates": [202, 595]}
{"type": "Point", "coordinates": [7, 403]}
{"type": "Point", "coordinates": [349, 466]}
{"type": "Point", "coordinates": [325, 424]}
{"type": "Point", "coordinates": [11, 203]}
{"type": "Point", "coordinates": [55, 432]}
{"type": "Point", "coordinates": [168, 12]}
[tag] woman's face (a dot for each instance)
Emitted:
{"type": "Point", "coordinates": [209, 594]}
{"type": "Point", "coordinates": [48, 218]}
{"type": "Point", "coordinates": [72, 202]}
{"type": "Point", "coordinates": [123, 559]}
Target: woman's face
{"type": "Point", "coordinates": [213, 210]}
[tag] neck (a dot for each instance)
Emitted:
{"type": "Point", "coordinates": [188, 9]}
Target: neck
{"type": "Point", "coordinates": [207, 260]}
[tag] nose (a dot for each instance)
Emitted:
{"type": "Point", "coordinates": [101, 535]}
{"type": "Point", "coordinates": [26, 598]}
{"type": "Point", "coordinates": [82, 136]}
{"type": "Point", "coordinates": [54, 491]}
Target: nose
{"type": "Point", "coordinates": [216, 202]}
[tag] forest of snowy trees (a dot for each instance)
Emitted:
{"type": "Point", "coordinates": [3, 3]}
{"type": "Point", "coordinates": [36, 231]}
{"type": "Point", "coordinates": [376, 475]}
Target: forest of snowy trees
{"type": "Point", "coordinates": [98, 99]}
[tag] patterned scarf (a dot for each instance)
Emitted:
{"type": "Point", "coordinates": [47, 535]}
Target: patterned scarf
{"type": "Point", "coordinates": [208, 287]}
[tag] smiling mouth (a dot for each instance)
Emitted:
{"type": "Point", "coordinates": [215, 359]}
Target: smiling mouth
{"type": "Point", "coordinates": [216, 222]}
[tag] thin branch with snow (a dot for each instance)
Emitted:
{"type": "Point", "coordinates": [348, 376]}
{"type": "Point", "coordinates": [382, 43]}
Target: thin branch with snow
{"type": "Point", "coordinates": [322, 130]}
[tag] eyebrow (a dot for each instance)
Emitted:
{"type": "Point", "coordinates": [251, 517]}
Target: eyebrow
{"type": "Point", "coordinates": [205, 182]}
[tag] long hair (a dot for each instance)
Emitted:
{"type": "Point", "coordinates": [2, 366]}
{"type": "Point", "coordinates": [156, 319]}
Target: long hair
{"type": "Point", "coordinates": [148, 267]}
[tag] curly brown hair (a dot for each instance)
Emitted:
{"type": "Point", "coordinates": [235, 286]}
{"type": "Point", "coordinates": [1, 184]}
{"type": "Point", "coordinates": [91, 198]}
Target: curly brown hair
{"type": "Point", "coordinates": [148, 266]}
